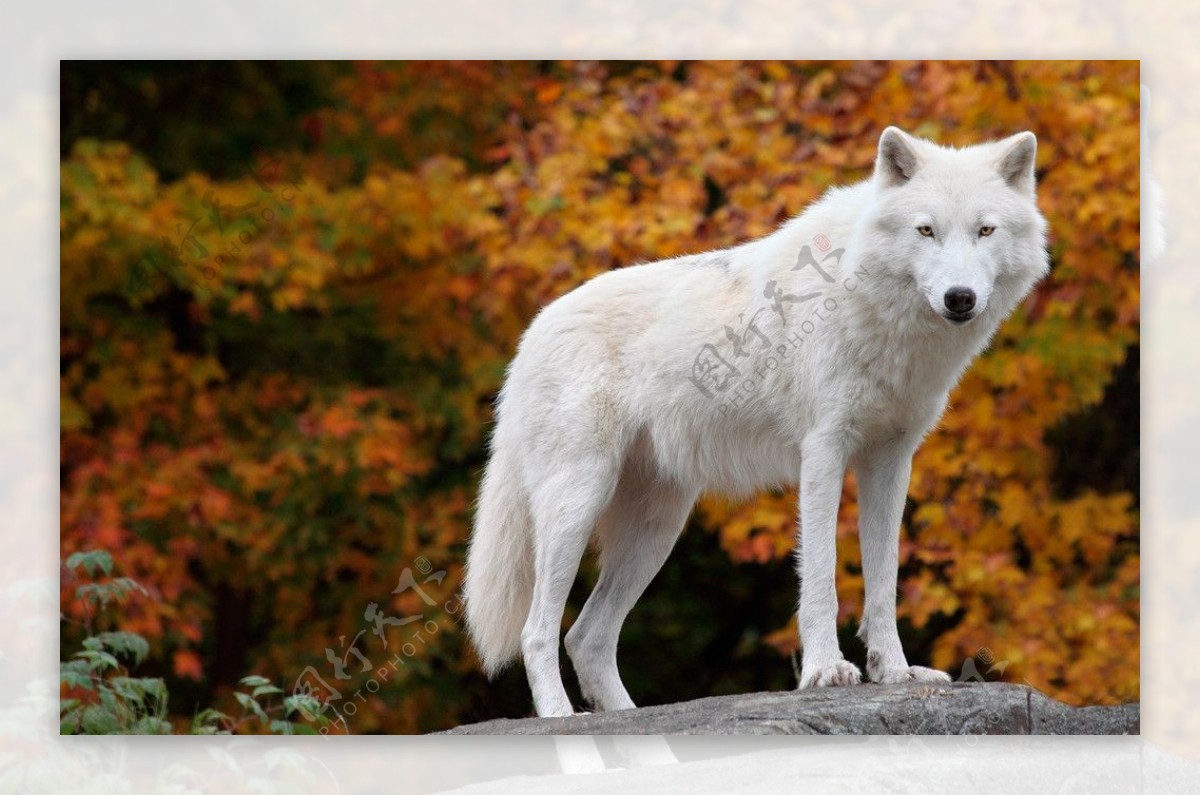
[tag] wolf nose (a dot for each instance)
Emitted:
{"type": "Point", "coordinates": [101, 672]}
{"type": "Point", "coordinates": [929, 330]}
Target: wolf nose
{"type": "Point", "coordinates": [960, 300]}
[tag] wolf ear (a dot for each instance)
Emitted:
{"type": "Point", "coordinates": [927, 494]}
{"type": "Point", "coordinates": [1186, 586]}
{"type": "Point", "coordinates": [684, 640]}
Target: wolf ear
{"type": "Point", "coordinates": [897, 160]}
{"type": "Point", "coordinates": [1017, 163]}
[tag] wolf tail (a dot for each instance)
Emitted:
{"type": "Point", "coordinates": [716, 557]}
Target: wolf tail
{"type": "Point", "coordinates": [498, 587]}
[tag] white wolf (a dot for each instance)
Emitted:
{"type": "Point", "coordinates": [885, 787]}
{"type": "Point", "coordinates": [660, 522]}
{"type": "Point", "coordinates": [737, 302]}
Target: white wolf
{"type": "Point", "coordinates": [831, 343]}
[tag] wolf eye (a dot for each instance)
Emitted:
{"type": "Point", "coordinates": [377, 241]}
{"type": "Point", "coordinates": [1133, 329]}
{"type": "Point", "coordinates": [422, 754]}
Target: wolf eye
{"type": "Point", "coordinates": [984, 231]}
{"type": "Point", "coordinates": [927, 231]}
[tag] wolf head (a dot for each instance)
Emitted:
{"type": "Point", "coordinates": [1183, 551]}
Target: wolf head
{"type": "Point", "coordinates": [959, 226]}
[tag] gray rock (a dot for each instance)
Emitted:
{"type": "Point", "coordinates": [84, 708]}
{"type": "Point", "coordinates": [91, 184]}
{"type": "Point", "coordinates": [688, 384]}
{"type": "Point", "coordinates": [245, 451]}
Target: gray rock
{"type": "Point", "coordinates": [919, 708]}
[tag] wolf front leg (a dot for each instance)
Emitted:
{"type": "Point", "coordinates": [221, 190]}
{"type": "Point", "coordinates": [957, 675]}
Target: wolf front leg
{"type": "Point", "coordinates": [822, 468]}
{"type": "Point", "coordinates": [882, 486]}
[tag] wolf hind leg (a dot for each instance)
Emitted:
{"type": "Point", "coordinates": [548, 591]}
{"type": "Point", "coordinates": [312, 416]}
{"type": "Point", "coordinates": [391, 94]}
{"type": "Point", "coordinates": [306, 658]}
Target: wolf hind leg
{"type": "Point", "coordinates": [566, 506]}
{"type": "Point", "coordinates": [637, 533]}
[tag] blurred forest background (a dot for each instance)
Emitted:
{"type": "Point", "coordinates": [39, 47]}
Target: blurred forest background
{"type": "Point", "coordinates": [289, 292]}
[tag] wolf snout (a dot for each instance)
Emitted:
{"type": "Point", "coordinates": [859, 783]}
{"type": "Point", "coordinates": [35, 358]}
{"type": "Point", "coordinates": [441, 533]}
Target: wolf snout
{"type": "Point", "coordinates": [960, 300]}
{"type": "Point", "coordinates": [960, 303]}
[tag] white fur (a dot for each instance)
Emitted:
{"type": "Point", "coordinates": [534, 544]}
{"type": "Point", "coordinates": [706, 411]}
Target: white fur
{"type": "Point", "coordinates": [601, 433]}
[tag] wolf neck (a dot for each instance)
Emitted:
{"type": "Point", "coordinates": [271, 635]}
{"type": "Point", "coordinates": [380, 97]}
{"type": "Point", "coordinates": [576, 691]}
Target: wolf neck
{"type": "Point", "coordinates": [889, 331]}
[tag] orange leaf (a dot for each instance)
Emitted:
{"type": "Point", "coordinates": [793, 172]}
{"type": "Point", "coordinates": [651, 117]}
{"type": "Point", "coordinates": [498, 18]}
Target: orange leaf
{"type": "Point", "coordinates": [187, 664]}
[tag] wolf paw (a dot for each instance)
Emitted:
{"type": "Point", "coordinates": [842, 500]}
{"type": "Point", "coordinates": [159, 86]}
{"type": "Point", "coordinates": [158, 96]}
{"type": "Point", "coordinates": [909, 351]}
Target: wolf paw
{"type": "Point", "coordinates": [835, 674]}
{"type": "Point", "coordinates": [912, 673]}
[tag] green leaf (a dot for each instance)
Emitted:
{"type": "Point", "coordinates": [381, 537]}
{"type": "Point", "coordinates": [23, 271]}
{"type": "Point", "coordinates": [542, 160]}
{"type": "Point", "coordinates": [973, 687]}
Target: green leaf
{"type": "Point", "coordinates": [306, 704]}
{"type": "Point", "coordinates": [209, 722]}
{"type": "Point", "coordinates": [74, 666]}
{"type": "Point", "coordinates": [101, 594]}
{"type": "Point", "coordinates": [109, 701]}
{"type": "Point", "coordinates": [302, 728]}
{"type": "Point", "coordinates": [91, 561]}
{"type": "Point", "coordinates": [98, 720]}
{"type": "Point", "coordinates": [69, 723]}
{"type": "Point", "coordinates": [126, 643]}
{"type": "Point", "coordinates": [123, 586]}
{"type": "Point", "coordinates": [138, 690]}
{"type": "Point", "coordinates": [266, 690]}
{"type": "Point", "coordinates": [91, 593]}
{"type": "Point", "coordinates": [157, 689]}
{"type": "Point", "coordinates": [254, 679]}
{"type": "Point", "coordinates": [151, 724]}
{"type": "Point", "coordinates": [72, 678]}
{"type": "Point", "coordinates": [251, 705]}
{"type": "Point", "coordinates": [98, 660]}
{"type": "Point", "coordinates": [127, 688]}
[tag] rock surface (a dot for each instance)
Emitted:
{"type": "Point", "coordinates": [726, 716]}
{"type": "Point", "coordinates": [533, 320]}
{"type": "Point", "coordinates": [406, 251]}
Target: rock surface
{"type": "Point", "coordinates": [919, 708]}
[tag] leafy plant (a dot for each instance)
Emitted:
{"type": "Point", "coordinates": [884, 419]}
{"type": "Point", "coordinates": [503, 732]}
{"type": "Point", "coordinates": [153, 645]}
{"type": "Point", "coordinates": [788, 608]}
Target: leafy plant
{"type": "Point", "coordinates": [299, 713]}
{"type": "Point", "coordinates": [100, 696]}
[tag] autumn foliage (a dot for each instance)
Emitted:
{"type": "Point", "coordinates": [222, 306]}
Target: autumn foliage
{"type": "Point", "coordinates": [278, 375]}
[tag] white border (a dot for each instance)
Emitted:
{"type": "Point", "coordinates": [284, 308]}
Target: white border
{"type": "Point", "coordinates": [37, 35]}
